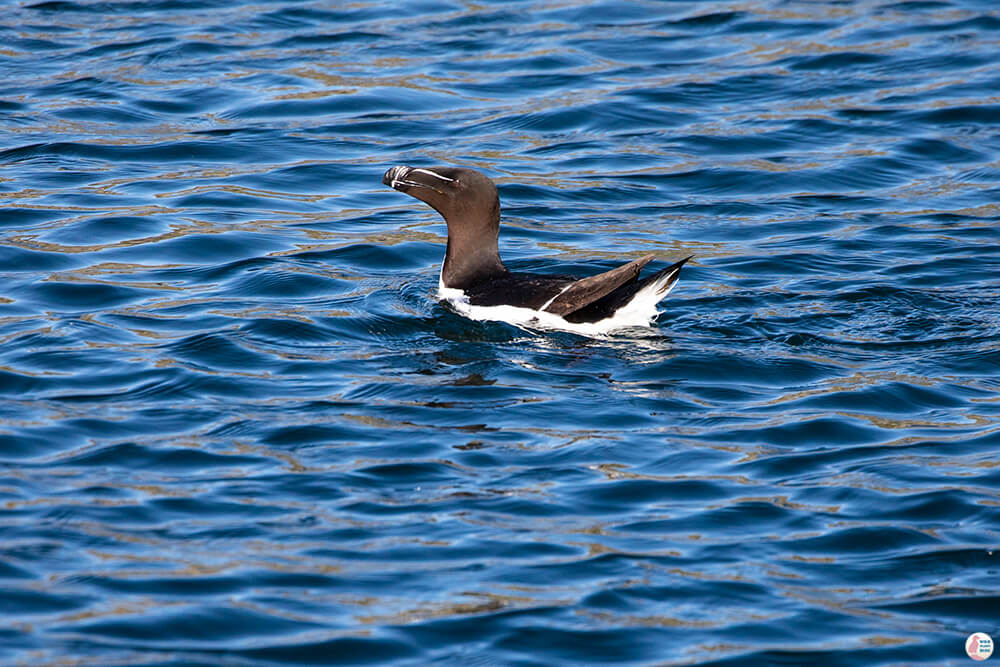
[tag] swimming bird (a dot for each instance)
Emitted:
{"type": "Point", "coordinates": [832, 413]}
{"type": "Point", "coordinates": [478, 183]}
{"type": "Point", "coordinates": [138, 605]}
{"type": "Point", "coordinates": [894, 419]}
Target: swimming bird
{"type": "Point", "coordinates": [475, 282]}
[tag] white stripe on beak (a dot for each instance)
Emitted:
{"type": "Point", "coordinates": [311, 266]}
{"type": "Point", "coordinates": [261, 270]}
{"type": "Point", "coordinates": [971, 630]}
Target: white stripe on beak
{"type": "Point", "coordinates": [435, 175]}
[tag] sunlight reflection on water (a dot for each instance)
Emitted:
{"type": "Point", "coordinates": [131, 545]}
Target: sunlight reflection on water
{"type": "Point", "coordinates": [234, 421]}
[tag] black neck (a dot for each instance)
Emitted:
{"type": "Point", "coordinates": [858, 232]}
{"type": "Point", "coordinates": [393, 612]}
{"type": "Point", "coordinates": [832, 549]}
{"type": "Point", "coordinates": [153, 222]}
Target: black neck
{"type": "Point", "coordinates": [472, 255]}
{"type": "Point", "coordinates": [466, 265]}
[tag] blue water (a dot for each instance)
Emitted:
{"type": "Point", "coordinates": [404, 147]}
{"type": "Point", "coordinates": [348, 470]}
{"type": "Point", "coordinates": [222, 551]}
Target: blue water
{"type": "Point", "coordinates": [237, 428]}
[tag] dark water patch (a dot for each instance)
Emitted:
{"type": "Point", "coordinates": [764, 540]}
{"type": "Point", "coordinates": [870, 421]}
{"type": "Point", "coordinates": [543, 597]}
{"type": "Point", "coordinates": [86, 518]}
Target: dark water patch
{"type": "Point", "coordinates": [941, 151]}
{"type": "Point", "coordinates": [812, 432]}
{"type": "Point", "coordinates": [89, 87]}
{"type": "Point", "coordinates": [972, 115]}
{"type": "Point", "coordinates": [394, 257]}
{"type": "Point", "coordinates": [34, 45]}
{"type": "Point", "coordinates": [749, 87]}
{"type": "Point", "coordinates": [349, 650]}
{"type": "Point", "coordinates": [835, 61]}
{"type": "Point", "coordinates": [862, 540]}
{"type": "Point", "coordinates": [184, 152]}
{"type": "Point", "coordinates": [786, 26]}
{"type": "Point", "coordinates": [224, 247]}
{"type": "Point", "coordinates": [216, 351]}
{"type": "Point", "coordinates": [509, 86]}
{"type": "Point", "coordinates": [106, 50]}
{"type": "Point", "coordinates": [15, 260]}
{"type": "Point", "coordinates": [986, 22]}
{"type": "Point", "coordinates": [918, 5]}
{"type": "Point", "coordinates": [37, 602]}
{"type": "Point", "coordinates": [613, 495]}
{"type": "Point", "coordinates": [936, 506]}
{"type": "Point", "coordinates": [708, 20]}
{"type": "Point", "coordinates": [297, 17]}
{"type": "Point", "coordinates": [105, 230]}
{"type": "Point", "coordinates": [323, 40]}
{"type": "Point", "coordinates": [892, 398]}
{"type": "Point", "coordinates": [131, 455]}
{"type": "Point", "coordinates": [9, 571]}
{"type": "Point", "coordinates": [80, 297]}
{"type": "Point", "coordinates": [288, 332]}
{"type": "Point", "coordinates": [954, 605]}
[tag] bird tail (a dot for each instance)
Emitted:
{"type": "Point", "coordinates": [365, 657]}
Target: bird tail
{"type": "Point", "coordinates": [658, 285]}
{"type": "Point", "coordinates": [635, 301]}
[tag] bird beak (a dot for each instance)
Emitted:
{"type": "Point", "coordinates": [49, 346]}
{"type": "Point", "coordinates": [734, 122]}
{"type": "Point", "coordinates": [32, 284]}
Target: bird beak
{"type": "Point", "coordinates": [404, 179]}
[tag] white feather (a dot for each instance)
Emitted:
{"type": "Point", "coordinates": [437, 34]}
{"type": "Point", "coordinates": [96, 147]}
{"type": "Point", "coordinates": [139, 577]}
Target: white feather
{"type": "Point", "coordinates": [433, 173]}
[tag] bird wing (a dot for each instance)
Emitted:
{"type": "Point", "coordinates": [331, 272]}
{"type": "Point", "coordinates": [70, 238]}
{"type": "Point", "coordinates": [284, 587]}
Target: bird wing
{"type": "Point", "coordinates": [585, 291]}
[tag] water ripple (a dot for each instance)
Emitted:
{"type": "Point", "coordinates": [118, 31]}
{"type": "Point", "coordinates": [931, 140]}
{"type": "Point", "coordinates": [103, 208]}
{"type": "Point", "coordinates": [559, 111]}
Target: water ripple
{"type": "Point", "coordinates": [235, 425]}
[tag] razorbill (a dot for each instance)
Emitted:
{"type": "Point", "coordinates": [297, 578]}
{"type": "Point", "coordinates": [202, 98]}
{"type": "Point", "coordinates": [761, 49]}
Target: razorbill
{"type": "Point", "coordinates": [477, 284]}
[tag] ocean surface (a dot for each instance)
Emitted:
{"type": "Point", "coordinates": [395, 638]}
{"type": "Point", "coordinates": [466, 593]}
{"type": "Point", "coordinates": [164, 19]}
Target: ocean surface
{"type": "Point", "coordinates": [237, 427]}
